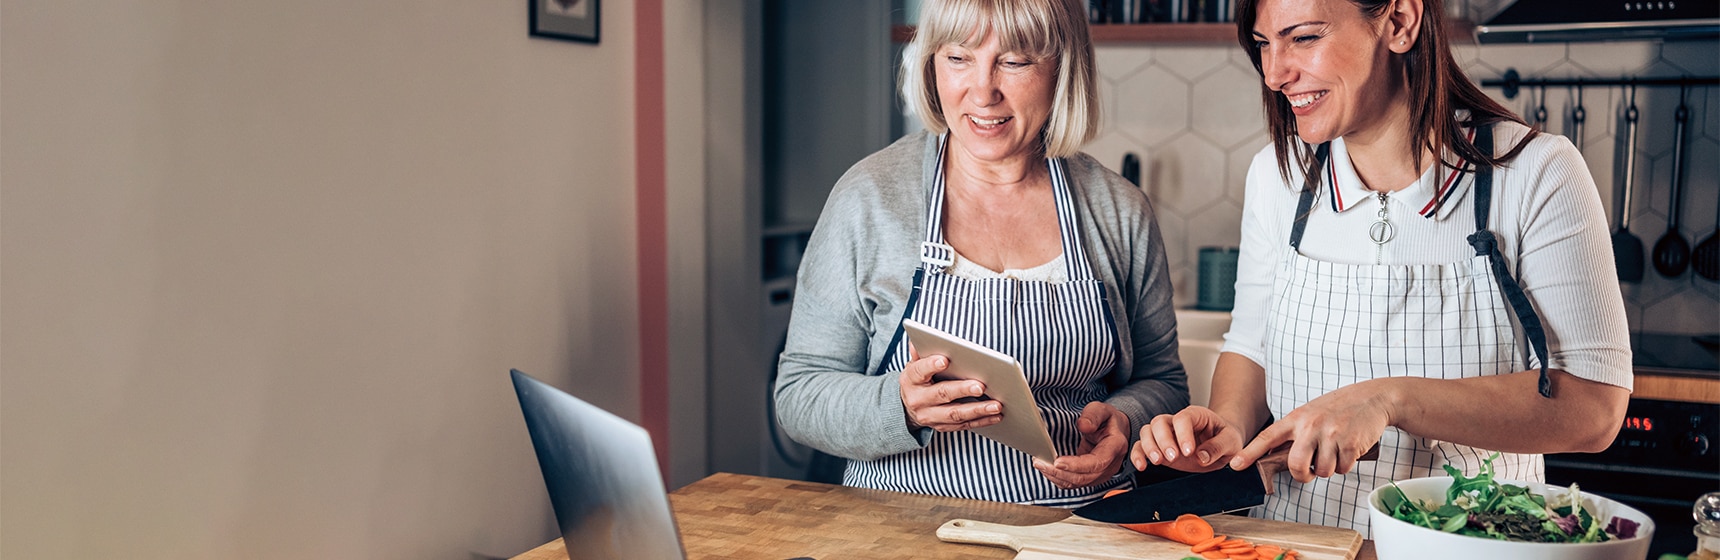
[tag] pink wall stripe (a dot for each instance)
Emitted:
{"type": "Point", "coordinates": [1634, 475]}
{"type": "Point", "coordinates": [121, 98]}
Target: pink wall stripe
{"type": "Point", "coordinates": [652, 218]}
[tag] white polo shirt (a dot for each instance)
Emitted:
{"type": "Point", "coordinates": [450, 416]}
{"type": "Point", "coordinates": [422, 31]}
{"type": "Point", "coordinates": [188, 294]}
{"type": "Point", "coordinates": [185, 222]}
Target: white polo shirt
{"type": "Point", "coordinates": [1546, 214]}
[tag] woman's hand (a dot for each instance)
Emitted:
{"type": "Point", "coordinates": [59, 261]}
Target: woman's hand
{"type": "Point", "coordinates": [1104, 440]}
{"type": "Point", "coordinates": [1195, 439]}
{"type": "Point", "coordinates": [1326, 435]}
{"type": "Point", "coordinates": [945, 406]}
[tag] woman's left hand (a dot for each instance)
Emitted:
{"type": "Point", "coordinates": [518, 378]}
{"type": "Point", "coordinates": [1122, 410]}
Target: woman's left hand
{"type": "Point", "coordinates": [1104, 445]}
{"type": "Point", "coordinates": [1327, 435]}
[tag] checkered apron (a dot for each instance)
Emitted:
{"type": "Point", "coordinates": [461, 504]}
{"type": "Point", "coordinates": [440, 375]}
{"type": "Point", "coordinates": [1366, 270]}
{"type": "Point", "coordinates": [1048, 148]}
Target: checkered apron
{"type": "Point", "coordinates": [1061, 333]}
{"type": "Point", "coordinates": [1336, 324]}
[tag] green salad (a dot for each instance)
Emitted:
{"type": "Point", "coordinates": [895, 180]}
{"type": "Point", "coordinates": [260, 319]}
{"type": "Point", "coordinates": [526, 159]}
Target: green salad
{"type": "Point", "coordinates": [1481, 507]}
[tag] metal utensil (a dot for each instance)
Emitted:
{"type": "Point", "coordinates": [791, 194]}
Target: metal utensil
{"type": "Point", "coordinates": [1578, 115]}
{"type": "Point", "coordinates": [1541, 111]}
{"type": "Point", "coordinates": [1671, 253]}
{"type": "Point", "coordinates": [1705, 258]}
{"type": "Point", "coordinates": [1627, 249]}
{"type": "Point", "coordinates": [1132, 168]}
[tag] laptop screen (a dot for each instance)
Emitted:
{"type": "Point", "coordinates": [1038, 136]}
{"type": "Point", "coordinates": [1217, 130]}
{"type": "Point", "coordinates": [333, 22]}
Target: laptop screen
{"type": "Point", "coordinates": [602, 476]}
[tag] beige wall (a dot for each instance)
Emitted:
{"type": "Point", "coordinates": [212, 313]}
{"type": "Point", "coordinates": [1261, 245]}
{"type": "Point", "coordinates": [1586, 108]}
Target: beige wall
{"type": "Point", "coordinates": [266, 265]}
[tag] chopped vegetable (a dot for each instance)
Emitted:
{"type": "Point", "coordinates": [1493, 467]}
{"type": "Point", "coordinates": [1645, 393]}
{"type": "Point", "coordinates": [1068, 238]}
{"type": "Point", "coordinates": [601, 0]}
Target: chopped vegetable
{"type": "Point", "coordinates": [1481, 507]}
{"type": "Point", "coordinates": [1208, 544]}
{"type": "Point", "coordinates": [1188, 529]}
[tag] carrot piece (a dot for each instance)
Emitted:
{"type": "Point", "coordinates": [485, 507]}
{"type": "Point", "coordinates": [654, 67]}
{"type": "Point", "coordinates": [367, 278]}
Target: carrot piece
{"type": "Point", "coordinates": [1116, 491]}
{"type": "Point", "coordinates": [1236, 545]}
{"type": "Point", "coordinates": [1244, 556]}
{"type": "Point", "coordinates": [1188, 529]}
{"type": "Point", "coordinates": [1214, 555]}
{"type": "Point", "coordinates": [1269, 550]}
{"type": "Point", "coordinates": [1208, 544]}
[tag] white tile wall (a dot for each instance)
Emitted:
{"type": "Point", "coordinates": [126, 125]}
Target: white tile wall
{"type": "Point", "coordinates": [1192, 113]}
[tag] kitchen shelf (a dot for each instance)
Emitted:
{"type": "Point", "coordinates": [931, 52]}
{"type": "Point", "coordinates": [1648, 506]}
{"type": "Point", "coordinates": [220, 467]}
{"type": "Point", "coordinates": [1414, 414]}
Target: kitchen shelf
{"type": "Point", "coordinates": [1111, 33]}
{"type": "Point", "coordinates": [1186, 33]}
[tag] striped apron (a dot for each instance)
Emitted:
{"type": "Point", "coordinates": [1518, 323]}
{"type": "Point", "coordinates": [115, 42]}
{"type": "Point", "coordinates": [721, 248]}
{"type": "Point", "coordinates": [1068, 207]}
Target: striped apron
{"type": "Point", "coordinates": [1061, 333]}
{"type": "Point", "coordinates": [1336, 324]}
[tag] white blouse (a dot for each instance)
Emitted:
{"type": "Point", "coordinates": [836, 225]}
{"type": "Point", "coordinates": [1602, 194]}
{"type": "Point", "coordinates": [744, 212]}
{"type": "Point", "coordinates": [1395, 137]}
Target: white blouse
{"type": "Point", "coordinates": [1546, 213]}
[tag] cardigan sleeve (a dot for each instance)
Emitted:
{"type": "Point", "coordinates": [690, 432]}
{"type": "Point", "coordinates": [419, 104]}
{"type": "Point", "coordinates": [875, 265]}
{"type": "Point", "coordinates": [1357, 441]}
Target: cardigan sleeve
{"type": "Point", "coordinates": [824, 397]}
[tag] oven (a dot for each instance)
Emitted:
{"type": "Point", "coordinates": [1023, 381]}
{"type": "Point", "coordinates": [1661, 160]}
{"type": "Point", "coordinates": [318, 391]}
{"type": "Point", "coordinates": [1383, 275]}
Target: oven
{"type": "Point", "coordinates": [1665, 455]}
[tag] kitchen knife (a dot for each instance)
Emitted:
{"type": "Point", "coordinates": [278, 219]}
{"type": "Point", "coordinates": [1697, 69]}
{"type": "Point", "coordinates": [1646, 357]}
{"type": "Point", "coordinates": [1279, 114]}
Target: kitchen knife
{"type": "Point", "coordinates": [1206, 493]}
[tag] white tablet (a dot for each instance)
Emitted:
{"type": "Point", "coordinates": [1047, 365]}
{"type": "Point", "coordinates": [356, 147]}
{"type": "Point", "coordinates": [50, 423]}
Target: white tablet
{"type": "Point", "coordinates": [1022, 427]}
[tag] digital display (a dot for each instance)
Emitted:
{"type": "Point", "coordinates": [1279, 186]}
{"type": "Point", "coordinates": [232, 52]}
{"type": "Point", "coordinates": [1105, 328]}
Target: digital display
{"type": "Point", "coordinates": [1639, 423]}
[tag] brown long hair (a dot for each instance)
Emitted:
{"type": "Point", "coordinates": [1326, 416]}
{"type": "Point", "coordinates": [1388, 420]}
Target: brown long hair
{"type": "Point", "coordinates": [1437, 89]}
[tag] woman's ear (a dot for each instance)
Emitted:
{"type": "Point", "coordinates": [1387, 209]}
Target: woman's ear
{"type": "Point", "coordinates": [1403, 25]}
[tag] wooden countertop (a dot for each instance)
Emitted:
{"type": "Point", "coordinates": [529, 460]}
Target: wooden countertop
{"type": "Point", "coordinates": [739, 516]}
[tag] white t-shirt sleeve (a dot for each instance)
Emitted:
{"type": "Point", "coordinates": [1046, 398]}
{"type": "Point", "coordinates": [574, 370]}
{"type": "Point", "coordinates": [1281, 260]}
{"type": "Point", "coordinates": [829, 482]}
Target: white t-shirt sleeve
{"type": "Point", "coordinates": [1264, 240]}
{"type": "Point", "coordinates": [1564, 262]}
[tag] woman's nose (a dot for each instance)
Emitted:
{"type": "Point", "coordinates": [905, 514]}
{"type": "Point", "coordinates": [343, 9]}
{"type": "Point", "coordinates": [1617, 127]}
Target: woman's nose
{"type": "Point", "coordinates": [985, 91]}
{"type": "Point", "coordinates": [1275, 70]}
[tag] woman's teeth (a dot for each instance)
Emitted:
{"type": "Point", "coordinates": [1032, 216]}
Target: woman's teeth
{"type": "Point", "coordinates": [991, 122]}
{"type": "Point", "coordinates": [1303, 100]}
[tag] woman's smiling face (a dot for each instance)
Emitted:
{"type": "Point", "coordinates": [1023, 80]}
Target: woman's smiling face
{"type": "Point", "coordinates": [1331, 62]}
{"type": "Point", "coordinates": [996, 102]}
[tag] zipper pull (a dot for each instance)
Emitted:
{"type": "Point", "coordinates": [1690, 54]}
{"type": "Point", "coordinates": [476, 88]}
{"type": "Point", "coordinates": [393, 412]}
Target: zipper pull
{"type": "Point", "coordinates": [1382, 231]}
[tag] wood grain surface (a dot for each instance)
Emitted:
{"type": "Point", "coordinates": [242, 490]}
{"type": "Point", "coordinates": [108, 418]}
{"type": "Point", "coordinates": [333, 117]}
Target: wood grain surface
{"type": "Point", "coordinates": [1080, 538]}
{"type": "Point", "coordinates": [739, 516]}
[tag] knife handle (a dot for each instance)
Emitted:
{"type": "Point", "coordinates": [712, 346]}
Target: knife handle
{"type": "Point", "coordinates": [1279, 461]}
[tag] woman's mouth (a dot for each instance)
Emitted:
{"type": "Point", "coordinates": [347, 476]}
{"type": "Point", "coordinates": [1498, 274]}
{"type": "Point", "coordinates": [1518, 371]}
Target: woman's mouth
{"type": "Point", "coordinates": [984, 123]}
{"type": "Point", "coordinates": [1303, 100]}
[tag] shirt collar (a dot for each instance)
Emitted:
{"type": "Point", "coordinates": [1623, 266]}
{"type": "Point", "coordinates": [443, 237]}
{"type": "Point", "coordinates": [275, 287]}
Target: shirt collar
{"type": "Point", "coordinates": [1434, 195]}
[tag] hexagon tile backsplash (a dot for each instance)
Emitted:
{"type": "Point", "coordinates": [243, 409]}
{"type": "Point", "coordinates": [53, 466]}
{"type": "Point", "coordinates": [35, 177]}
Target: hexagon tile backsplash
{"type": "Point", "coordinates": [1193, 115]}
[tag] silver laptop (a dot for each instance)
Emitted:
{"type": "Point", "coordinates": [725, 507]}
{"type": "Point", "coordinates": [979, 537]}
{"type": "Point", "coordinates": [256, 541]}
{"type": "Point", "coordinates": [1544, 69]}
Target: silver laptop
{"type": "Point", "coordinates": [602, 476]}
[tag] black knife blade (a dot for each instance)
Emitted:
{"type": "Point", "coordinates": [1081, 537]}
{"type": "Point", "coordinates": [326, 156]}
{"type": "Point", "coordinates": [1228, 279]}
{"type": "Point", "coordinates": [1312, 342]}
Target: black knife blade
{"type": "Point", "coordinates": [1205, 493]}
{"type": "Point", "coordinates": [1200, 494]}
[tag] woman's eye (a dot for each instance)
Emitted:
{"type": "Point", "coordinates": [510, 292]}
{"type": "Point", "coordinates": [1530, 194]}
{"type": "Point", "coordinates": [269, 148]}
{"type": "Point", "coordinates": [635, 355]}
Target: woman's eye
{"type": "Point", "coordinates": [1016, 64]}
{"type": "Point", "coordinates": [955, 59]}
{"type": "Point", "coordinates": [1306, 38]}
{"type": "Point", "coordinates": [1260, 45]}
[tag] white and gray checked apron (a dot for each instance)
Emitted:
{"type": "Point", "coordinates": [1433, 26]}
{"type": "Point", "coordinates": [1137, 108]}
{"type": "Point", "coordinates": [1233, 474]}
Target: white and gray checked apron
{"type": "Point", "coordinates": [1061, 333]}
{"type": "Point", "coordinates": [1336, 324]}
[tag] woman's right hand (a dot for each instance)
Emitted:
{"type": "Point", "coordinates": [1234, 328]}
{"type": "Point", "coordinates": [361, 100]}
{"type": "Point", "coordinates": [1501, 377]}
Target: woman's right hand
{"type": "Point", "coordinates": [945, 406]}
{"type": "Point", "coordinates": [1193, 440]}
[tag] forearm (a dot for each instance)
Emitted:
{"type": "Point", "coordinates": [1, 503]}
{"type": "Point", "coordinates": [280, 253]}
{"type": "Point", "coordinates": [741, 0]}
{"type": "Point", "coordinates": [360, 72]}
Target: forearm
{"type": "Point", "coordinates": [1239, 393]}
{"type": "Point", "coordinates": [1505, 413]}
{"type": "Point", "coordinates": [845, 414]}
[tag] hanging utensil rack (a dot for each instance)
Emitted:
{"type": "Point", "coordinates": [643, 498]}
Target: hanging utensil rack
{"type": "Point", "coordinates": [1513, 83]}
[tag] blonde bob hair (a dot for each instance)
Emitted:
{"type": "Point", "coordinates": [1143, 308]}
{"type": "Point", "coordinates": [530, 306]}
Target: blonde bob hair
{"type": "Point", "coordinates": [1042, 29]}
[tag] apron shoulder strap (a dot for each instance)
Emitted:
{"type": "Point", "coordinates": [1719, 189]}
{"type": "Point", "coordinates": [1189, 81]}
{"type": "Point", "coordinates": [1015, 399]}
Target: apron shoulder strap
{"type": "Point", "coordinates": [1310, 186]}
{"type": "Point", "coordinates": [1487, 244]}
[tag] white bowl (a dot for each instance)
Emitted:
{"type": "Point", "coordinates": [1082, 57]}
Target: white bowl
{"type": "Point", "coordinates": [1395, 539]}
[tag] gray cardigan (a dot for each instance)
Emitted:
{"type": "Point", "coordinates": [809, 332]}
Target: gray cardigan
{"type": "Point", "coordinates": [858, 270]}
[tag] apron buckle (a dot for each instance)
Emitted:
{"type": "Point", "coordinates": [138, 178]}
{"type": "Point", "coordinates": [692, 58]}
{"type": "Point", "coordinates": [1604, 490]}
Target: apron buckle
{"type": "Point", "coordinates": [937, 254]}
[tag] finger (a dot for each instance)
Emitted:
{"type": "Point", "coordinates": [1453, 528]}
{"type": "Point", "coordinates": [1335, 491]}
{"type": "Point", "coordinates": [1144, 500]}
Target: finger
{"type": "Point", "coordinates": [1347, 461]}
{"type": "Point", "coordinates": [1183, 428]}
{"type": "Point", "coordinates": [920, 372]}
{"type": "Point", "coordinates": [1301, 460]}
{"type": "Point", "coordinates": [913, 353]}
{"type": "Point", "coordinates": [1325, 459]}
{"type": "Point", "coordinates": [1051, 473]}
{"type": "Point", "coordinates": [1268, 439]}
{"type": "Point", "coordinates": [962, 416]}
{"type": "Point", "coordinates": [1164, 438]}
{"type": "Point", "coordinates": [1138, 456]}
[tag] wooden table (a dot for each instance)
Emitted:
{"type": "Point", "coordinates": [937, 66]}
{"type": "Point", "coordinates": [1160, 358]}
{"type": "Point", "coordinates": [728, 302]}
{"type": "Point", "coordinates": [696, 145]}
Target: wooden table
{"type": "Point", "coordinates": [739, 516]}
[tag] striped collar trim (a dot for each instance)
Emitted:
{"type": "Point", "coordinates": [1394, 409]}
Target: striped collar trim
{"type": "Point", "coordinates": [1434, 195]}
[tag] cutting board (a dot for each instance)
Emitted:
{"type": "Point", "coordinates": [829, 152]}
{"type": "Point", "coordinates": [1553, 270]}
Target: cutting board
{"type": "Point", "coordinates": [1077, 538]}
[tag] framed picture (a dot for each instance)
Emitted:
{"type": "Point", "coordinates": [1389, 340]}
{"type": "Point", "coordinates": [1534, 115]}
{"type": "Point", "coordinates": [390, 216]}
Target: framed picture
{"type": "Point", "coordinates": [573, 20]}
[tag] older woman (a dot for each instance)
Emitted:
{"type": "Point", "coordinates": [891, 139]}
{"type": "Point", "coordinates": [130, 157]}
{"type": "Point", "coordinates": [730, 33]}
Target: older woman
{"type": "Point", "coordinates": [990, 226]}
{"type": "Point", "coordinates": [1418, 269]}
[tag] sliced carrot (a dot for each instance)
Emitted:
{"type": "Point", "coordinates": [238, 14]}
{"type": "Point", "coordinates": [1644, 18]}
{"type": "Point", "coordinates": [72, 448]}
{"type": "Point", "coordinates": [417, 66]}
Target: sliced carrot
{"type": "Point", "coordinates": [1115, 492]}
{"type": "Point", "coordinates": [1269, 550]}
{"type": "Point", "coordinates": [1208, 544]}
{"type": "Point", "coordinates": [1244, 556]}
{"type": "Point", "coordinates": [1214, 555]}
{"type": "Point", "coordinates": [1187, 529]}
{"type": "Point", "coordinates": [1236, 545]}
